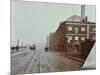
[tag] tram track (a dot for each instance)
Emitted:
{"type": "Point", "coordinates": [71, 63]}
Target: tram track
{"type": "Point", "coordinates": [35, 62]}
{"type": "Point", "coordinates": [39, 64]}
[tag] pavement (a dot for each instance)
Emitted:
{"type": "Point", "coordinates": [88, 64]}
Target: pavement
{"type": "Point", "coordinates": [62, 63]}
{"type": "Point", "coordinates": [39, 61]}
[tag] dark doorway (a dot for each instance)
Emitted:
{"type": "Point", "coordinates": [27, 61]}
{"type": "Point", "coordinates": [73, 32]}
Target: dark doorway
{"type": "Point", "coordinates": [77, 47]}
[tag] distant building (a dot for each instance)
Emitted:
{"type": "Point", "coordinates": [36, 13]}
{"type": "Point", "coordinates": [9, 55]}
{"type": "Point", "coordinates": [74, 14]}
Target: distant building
{"type": "Point", "coordinates": [51, 41]}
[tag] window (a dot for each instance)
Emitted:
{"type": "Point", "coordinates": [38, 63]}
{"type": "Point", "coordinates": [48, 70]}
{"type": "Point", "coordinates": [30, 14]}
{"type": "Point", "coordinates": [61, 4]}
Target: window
{"type": "Point", "coordinates": [76, 37]}
{"type": "Point", "coordinates": [70, 38]}
{"type": "Point", "coordinates": [76, 30]}
{"type": "Point", "coordinates": [70, 28]}
{"type": "Point", "coordinates": [83, 29]}
{"type": "Point", "coordinates": [82, 38]}
{"type": "Point", "coordinates": [94, 29]}
{"type": "Point", "coordinates": [68, 41]}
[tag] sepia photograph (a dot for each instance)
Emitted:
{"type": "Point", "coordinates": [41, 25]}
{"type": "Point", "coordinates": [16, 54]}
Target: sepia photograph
{"type": "Point", "coordinates": [52, 37]}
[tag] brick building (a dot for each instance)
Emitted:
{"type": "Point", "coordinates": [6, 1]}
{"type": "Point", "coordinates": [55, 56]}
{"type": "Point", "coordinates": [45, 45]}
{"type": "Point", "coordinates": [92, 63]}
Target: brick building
{"type": "Point", "coordinates": [58, 39]}
{"type": "Point", "coordinates": [76, 33]}
{"type": "Point", "coordinates": [71, 33]}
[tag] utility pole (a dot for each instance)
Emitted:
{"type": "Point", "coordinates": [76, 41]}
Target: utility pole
{"type": "Point", "coordinates": [22, 45]}
{"type": "Point", "coordinates": [17, 45]}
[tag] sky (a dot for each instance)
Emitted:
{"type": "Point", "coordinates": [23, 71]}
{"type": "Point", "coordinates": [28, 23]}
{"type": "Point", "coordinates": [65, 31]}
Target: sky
{"type": "Point", "coordinates": [32, 22]}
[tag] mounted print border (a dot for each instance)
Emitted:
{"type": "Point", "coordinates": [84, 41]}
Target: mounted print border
{"type": "Point", "coordinates": [52, 37]}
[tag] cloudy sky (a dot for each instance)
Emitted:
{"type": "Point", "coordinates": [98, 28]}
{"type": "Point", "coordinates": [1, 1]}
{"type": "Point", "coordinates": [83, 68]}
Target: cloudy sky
{"type": "Point", "coordinates": [33, 21]}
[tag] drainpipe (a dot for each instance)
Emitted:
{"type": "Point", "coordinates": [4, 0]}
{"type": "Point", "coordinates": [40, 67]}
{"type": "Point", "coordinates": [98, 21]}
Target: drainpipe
{"type": "Point", "coordinates": [87, 36]}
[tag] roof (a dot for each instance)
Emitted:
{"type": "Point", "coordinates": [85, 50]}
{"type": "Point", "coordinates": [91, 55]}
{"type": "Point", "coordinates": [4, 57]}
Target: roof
{"type": "Point", "coordinates": [74, 18]}
{"type": "Point", "coordinates": [77, 19]}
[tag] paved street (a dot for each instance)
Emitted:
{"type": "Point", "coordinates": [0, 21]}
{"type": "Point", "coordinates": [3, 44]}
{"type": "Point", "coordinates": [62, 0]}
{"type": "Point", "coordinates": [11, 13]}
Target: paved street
{"type": "Point", "coordinates": [61, 63]}
{"type": "Point", "coordinates": [39, 61]}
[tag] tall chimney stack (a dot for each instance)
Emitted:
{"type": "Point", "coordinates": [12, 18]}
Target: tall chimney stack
{"type": "Point", "coordinates": [83, 12]}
